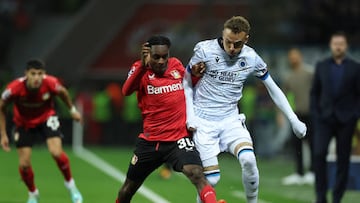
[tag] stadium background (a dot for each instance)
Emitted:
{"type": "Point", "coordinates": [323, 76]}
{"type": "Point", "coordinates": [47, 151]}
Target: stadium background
{"type": "Point", "coordinates": [90, 45]}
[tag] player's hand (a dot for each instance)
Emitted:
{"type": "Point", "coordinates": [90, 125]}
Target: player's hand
{"type": "Point", "coordinates": [299, 128]}
{"type": "Point", "coordinates": [198, 69]}
{"type": "Point", "coordinates": [5, 143]}
{"type": "Point", "coordinates": [191, 125]}
{"type": "Point", "coordinates": [145, 54]}
{"type": "Point", "coordinates": [75, 114]}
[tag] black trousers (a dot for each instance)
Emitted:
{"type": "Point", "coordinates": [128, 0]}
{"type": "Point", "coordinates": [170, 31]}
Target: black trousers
{"type": "Point", "coordinates": [324, 131]}
{"type": "Point", "coordinates": [298, 145]}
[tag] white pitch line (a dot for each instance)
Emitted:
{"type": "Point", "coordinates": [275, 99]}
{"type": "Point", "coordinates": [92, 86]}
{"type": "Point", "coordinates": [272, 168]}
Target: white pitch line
{"type": "Point", "coordinates": [242, 195]}
{"type": "Point", "coordinates": [108, 169]}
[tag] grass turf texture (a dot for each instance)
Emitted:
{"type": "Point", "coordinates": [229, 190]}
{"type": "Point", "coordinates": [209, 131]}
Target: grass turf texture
{"type": "Point", "coordinates": [98, 187]}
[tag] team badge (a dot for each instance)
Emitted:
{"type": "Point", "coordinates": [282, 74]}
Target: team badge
{"type": "Point", "coordinates": [175, 74]}
{"type": "Point", "coordinates": [134, 160]}
{"type": "Point", "coordinates": [46, 96]}
{"type": "Point", "coordinates": [242, 62]}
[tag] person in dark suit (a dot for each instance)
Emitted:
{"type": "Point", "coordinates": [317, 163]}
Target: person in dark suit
{"type": "Point", "coordinates": [335, 103]}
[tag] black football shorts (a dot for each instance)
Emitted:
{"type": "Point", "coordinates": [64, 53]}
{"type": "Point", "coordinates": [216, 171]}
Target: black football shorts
{"type": "Point", "coordinates": [27, 137]}
{"type": "Point", "coordinates": [149, 155]}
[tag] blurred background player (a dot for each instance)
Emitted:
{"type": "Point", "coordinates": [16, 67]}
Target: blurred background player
{"type": "Point", "coordinates": [35, 118]}
{"type": "Point", "coordinates": [297, 88]}
{"type": "Point", "coordinates": [165, 171]}
{"type": "Point", "coordinates": [335, 103]}
{"type": "Point", "coordinates": [212, 104]}
{"type": "Point", "coordinates": [157, 78]}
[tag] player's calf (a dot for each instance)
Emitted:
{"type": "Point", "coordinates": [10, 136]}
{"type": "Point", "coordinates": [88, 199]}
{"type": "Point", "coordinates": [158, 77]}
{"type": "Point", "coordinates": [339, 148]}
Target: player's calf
{"type": "Point", "coordinates": [250, 174]}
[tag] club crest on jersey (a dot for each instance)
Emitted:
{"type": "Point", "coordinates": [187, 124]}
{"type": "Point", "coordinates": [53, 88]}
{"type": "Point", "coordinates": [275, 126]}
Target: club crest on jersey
{"type": "Point", "coordinates": [175, 74]}
{"type": "Point", "coordinates": [134, 160]}
{"type": "Point", "coordinates": [46, 96]}
{"type": "Point", "coordinates": [242, 63]}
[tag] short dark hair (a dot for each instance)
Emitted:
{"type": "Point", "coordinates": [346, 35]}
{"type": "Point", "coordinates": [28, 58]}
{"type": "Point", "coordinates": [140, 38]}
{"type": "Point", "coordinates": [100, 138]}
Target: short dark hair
{"type": "Point", "coordinates": [339, 33]}
{"type": "Point", "coordinates": [35, 63]}
{"type": "Point", "coordinates": [159, 40]}
{"type": "Point", "coordinates": [238, 24]}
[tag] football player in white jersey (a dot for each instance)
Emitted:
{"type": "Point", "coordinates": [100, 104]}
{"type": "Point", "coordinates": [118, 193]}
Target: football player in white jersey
{"type": "Point", "coordinates": [212, 110]}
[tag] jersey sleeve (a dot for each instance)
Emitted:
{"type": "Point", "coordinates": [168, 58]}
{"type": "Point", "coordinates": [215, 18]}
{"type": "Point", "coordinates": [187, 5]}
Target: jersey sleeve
{"type": "Point", "coordinates": [261, 70]}
{"type": "Point", "coordinates": [7, 94]}
{"type": "Point", "coordinates": [132, 82]}
{"type": "Point", "coordinates": [11, 90]}
{"type": "Point", "coordinates": [54, 83]}
{"type": "Point", "coordinates": [198, 56]}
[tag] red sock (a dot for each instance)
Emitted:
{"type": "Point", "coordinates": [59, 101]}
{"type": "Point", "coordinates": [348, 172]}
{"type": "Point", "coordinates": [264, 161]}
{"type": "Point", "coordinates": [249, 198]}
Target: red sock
{"type": "Point", "coordinates": [27, 175]}
{"type": "Point", "coordinates": [117, 201]}
{"type": "Point", "coordinates": [64, 165]}
{"type": "Point", "coordinates": [207, 194]}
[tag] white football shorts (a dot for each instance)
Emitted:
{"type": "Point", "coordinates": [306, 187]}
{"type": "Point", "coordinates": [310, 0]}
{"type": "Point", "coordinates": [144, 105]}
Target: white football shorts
{"type": "Point", "coordinates": [213, 137]}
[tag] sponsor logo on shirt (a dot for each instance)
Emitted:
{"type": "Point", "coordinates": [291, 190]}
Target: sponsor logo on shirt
{"type": "Point", "coordinates": [164, 89]}
{"type": "Point", "coordinates": [151, 76]}
{"type": "Point", "coordinates": [229, 76]}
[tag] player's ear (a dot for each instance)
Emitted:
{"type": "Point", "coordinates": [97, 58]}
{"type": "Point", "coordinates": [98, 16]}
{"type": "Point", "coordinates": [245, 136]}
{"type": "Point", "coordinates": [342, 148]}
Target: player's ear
{"type": "Point", "coordinates": [246, 39]}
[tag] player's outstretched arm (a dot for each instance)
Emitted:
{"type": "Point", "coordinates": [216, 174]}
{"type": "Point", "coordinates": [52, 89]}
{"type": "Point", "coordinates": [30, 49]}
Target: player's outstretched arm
{"type": "Point", "coordinates": [280, 100]}
{"type": "Point", "coordinates": [4, 140]}
{"type": "Point", "coordinates": [65, 97]}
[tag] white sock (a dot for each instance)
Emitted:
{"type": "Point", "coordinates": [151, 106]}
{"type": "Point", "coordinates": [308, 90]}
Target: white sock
{"type": "Point", "coordinates": [35, 193]}
{"type": "Point", "coordinates": [70, 184]}
{"type": "Point", "coordinates": [250, 174]}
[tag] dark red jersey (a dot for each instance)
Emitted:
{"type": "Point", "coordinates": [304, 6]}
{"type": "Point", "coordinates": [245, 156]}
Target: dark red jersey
{"type": "Point", "coordinates": [161, 100]}
{"type": "Point", "coordinates": [32, 108]}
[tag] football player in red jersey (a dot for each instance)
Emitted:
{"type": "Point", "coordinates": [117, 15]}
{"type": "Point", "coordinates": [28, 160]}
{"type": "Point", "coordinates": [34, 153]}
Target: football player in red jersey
{"type": "Point", "coordinates": [157, 79]}
{"type": "Point", "coordinates": [35, 118]}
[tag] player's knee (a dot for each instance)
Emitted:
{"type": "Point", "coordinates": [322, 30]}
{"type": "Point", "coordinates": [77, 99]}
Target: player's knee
{"type": "Point", "coordinates": [24, 163]}
{"type": "Point", "coordinates": [194, 173]}
{"type": "Point", "coordinates": [213, 177]}
{"type": "Point", "coordinates": [247, 159]}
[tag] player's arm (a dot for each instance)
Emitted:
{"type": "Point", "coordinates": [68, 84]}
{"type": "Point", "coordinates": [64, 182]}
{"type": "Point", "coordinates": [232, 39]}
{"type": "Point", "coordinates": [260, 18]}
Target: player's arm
{"type": "Point", "coordinates": [63, 93]}
{"type": "Point", "coordinates": [136, 72]}
{"type": "Point", "coordinates": [280, 100]}
{"type": "Point", "coordinates": [189, 93]}
{"type": "Point", "coordinates": [3, 135]}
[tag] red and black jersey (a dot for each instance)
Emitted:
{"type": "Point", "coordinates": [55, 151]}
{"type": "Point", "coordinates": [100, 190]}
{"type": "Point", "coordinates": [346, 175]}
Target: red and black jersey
{"type": "Point", "coordinates": [161, 100]}
{"type": "Point", "coordinates": [32, 108]}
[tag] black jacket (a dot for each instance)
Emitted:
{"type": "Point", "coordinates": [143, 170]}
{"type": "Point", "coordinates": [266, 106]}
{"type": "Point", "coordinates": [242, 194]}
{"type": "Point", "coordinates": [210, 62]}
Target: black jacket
{"type": "Point", "coordinates": [345, 105]}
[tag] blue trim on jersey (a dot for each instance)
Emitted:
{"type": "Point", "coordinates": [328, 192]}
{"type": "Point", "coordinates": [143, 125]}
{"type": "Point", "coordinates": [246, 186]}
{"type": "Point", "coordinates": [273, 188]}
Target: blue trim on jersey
{"type": "Point", "coordinates": [188, 68]}
{"type": "Point", "coordinates": [213, 174]}
{"type": "Point", "coordinates": [266, 75]}
{"type": "Point", "coordinates": [244, 150]}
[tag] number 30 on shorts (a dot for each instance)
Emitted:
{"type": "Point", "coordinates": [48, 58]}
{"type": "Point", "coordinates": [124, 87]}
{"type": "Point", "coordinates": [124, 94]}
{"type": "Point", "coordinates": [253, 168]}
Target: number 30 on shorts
{"type": "Point", "coordinates": [53, 123]}
{"type": "Point", "coordinates": [185, 143]}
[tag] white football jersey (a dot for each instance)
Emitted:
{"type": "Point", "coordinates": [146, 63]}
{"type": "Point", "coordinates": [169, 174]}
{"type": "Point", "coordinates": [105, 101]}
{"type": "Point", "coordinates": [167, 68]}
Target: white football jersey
{"type": "Point", "coordinates": [217, 93]}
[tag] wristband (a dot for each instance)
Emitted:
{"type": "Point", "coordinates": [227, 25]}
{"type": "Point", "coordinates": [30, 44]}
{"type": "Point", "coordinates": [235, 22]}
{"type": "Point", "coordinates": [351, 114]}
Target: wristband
{"type": "Point", "coordinates": [73, 110]}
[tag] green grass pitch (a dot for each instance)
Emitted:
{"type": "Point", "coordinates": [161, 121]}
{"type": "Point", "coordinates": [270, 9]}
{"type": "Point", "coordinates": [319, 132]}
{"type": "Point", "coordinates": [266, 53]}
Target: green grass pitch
{"type": "Point", "coordinates": [98, 187]}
